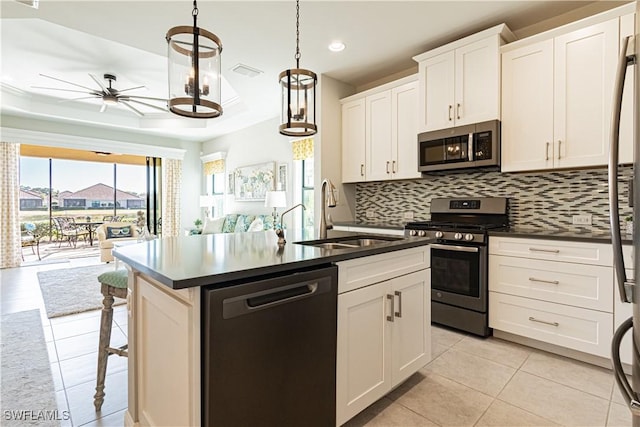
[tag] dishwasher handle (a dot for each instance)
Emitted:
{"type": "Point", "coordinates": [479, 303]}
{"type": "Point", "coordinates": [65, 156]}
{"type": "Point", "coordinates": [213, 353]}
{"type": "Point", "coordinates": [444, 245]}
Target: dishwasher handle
{"type": "Point", "coordinates": [273, 297]}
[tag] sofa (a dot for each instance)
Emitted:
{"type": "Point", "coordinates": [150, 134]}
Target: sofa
{"type": "Point", "coordinates": [237, 223]}
{"type": "Point", "coordinates": [111, 232]}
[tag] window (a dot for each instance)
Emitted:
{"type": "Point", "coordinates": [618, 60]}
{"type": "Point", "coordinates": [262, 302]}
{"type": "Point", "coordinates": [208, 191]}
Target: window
{"type": "Point", "coordinates": [307, 198]}
{"type": "Point", "coordinates": [216, 187]}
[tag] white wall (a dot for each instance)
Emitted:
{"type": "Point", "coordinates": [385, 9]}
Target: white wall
{"type": "Point", "coordinates": [256, 144]}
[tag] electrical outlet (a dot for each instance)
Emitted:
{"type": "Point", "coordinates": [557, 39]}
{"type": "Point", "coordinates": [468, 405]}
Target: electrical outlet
{"type": "Point", "coordinates": [407, 215]}
{"type": "Point", "coordinates": [582, 219]}
{"type": "Point", "coordinates": [371, 213]}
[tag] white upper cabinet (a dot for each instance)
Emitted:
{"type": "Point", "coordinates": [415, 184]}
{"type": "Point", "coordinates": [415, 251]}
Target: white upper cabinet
{"type": "Point", "coordinates": [460, 82]}
{"type": "Point", "coordinates": [557, 95]}
{"type": "Point", "coordinates": [379, 133]}
{"type": "Point", "coordinates": [353, 140]}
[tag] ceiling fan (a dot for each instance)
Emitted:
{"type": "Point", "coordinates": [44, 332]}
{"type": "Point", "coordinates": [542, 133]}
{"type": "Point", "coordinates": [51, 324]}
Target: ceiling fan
{"type": "Point", "coordinates": [108, 94]}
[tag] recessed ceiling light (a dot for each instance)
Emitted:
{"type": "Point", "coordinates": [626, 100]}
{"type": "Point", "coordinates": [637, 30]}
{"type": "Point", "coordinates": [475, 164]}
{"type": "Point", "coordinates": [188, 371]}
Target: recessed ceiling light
{"type": "Point", "coordinates": [336, 46]}
{"type": "Point", "coordinates": [245, 70]}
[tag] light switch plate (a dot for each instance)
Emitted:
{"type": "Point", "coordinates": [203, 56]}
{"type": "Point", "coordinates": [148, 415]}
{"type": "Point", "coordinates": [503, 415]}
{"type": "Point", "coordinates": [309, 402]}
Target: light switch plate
{"type": "Point", "coordinates": [371, 213]}
{"type": "Point", "coordinates": [407, 215]}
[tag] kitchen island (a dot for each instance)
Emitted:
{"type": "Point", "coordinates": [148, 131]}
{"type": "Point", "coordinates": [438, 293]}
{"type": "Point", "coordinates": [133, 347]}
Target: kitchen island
{"type": "Point", "coordinates": [169, 277]}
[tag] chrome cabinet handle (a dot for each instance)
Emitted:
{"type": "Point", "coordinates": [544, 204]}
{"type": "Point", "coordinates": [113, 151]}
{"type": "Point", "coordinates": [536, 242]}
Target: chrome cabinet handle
{"type": "Point", "coordinates": [399, 312]}
{"type": "Point", "coordinates": [390, 318]}
{"type": "Point", "coordinates": [450, 108]}
{"type": "Point", "coordinates": [533, 319]}
{"type": "Point", "coordinates": [393, 167]}
{"type": "Point", "coordinates": [553, 251]}
{"type": "Point", "coordinates": [458, 111]}
{"type": "Point", "coordinates": [361, 169]}
{"type": "Point", "coordinates": [553, 282]}
{"type": "Point", "coordinates": [546, 152]}
{"type": "Point", "coordinates": [559, 145]}
{"type": "Point", "coordinates": [387, 166]}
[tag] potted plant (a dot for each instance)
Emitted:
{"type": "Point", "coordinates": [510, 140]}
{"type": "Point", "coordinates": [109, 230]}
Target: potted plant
{"type": "Point", "coordinates": [198, 223]}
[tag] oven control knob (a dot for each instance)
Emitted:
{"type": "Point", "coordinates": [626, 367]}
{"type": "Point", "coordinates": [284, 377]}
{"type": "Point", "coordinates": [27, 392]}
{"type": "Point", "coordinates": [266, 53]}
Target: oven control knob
{"type": "Point", "coordinates": [422, 233]}
{"type": "Point", "coordinates": [457, 236]}
{"type": "Point", "coordinates": [439, 234]}
{"type": "Point", "coordinates": [412, 232]}
{"type": "Point", "coordinates": [468, 237]}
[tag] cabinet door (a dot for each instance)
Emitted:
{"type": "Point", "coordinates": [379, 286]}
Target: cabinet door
{"type": "Point", "coordinates": [363, 368]}
{"type": "Point", "coordinates": [404, 134]}
{"type": "Point", "coordinates": [435, 110]}
{"type": "Point", "coordinates": [411, 336]}
{"type": "Point", "coordinates": [477, 82]}
{"type": "Point", "coordinates": [527, 107]}
{"type": "Point", "coordinates": [378, 136]}
{"type": "Point", "coordinates": [353, 141]}
{"type": "Point", "coordinates": [585, 64]}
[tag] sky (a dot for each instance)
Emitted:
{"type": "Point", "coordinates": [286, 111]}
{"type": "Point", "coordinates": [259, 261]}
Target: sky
{"type": "Point", "coordinates": [74, 175]}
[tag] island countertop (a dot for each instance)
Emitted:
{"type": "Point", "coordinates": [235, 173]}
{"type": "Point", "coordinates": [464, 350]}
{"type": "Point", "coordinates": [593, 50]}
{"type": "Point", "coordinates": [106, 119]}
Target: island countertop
{"type": "Point", "coordinates": [198, 260]}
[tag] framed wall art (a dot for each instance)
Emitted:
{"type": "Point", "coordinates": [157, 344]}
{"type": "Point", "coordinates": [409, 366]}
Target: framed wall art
{"type": "Point", "coordinates": [251, 183]}
{"type": "Point", "coordinates": [282, 177]}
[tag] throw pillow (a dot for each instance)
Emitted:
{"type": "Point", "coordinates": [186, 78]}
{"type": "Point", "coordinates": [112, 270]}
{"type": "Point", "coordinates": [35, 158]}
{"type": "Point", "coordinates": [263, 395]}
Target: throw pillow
{"type": "Point", "coordinates": [230, 223]}
{"type": "Point", "coordinates": [118, 232]}
{"type": "Point", "coordinates": [256, 225]}
{"type": "Point", "coordinates": [213, 225]}
{"type": "Point", "coordinates": [267, 221]}
{"type": "Point", "coordinates": [243, 223]}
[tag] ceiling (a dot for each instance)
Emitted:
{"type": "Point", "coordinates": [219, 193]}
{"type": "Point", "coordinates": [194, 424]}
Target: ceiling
{"type": "Point", "coordinates": [71, 39]}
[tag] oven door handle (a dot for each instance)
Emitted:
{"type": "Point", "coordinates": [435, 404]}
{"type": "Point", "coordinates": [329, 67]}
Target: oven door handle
{"type": "Point", "coordinates": [454, 248]}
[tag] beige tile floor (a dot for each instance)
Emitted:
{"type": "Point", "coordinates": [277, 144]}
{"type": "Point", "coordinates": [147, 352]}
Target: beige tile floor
{"type": "Point", "coordinates": [72, 342]}
{"type": "Point", "coordinates": [469, 382]}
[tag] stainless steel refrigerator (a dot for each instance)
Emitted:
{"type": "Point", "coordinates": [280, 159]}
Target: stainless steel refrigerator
{"type": "Point", "coordinates": [629, 293]}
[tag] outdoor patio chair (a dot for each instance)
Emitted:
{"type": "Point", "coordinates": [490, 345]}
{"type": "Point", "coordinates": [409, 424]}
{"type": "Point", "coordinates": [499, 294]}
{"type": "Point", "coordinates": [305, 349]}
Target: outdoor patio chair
{"type": "Point", "coordinates": [67, 229]}
{"type": "Point", "coordinates": [29, 237]}
{"type": "Point", "coordinates": [110, 218]}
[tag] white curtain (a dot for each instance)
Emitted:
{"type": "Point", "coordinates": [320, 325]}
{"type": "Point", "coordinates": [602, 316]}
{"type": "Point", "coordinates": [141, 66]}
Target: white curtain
{"type": "Point", "coordinates": [10, 247]}
{"type": "Point", "coordinates": [171, 187]}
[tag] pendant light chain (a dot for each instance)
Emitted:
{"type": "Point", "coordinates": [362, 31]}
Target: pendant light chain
{"type": "Point", "coordinates": [194, 12]}
{"type": "Point", "coordinates": [297, 56]}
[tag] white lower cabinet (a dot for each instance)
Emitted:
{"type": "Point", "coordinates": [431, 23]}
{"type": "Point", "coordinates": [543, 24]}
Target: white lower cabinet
{"type": "Point", "coordinates": [624, 310]}
{"type": "Point", "coordinates": [554, 291]}
{"type": "Point", "coordinates": [383, 335]}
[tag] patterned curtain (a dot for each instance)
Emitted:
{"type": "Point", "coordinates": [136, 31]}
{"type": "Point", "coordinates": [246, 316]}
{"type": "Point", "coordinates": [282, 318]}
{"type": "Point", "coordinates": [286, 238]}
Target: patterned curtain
{"type": "Point", "coordinates": [214, 167]}
{"type": "Point", "coordinates": [171, 186]}
{"type": "Point", "coordinates": [10, 247]}
{"type": "Point", "coordinates": [302, 149]}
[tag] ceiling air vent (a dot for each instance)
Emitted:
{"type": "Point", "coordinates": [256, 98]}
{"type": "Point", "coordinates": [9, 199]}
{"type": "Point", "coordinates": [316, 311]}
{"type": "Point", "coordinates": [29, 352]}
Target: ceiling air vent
{"type": "Point", "coordinates": [30, 3]}
{"type": "Point", "coordinates": [245, 70]}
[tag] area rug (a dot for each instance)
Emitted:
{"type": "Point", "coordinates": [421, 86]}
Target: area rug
{"type": "Point", "coordinates": [27, 393]}
{"type": "Point", "coordinates": [73, 290]}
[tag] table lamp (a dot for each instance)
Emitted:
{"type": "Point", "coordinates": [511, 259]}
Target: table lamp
{"type": "Point", "coordinates": [275, 199]}
{"type": "Point", "coordinates": [206, 202]}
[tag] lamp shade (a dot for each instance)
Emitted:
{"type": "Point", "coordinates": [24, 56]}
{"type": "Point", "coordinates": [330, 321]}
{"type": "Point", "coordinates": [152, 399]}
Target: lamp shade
{"type": "Point", "coordinates": [275, 199]}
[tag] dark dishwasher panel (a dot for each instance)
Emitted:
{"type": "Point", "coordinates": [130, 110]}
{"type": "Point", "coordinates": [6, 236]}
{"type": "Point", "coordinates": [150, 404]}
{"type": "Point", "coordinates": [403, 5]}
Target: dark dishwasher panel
{"type": "Point", "coordinates": [269, 351]}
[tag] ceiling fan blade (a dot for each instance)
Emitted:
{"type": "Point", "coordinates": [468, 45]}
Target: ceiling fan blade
{"type": "Point", "coordinates": [70, 83]}
{"type": "Point", "coordinates": [99, 83]}
{"type": "Point", "coordinates": [66, 90]}
{"type": "Point", "coordinates": [147, 97]}
{"type": "Point", "coordinates": [77, 99]}
{"type": "Point", "coordinates": [148, 105]}
{"type": "Point", "coordinates": [136, 111]}
{"type": "Point", "coordinates": [103, 108]}
{"type": "Point", "coordinates": [131, 88]}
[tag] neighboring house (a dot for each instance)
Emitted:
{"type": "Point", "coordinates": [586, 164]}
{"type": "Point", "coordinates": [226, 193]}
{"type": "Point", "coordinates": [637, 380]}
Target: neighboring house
{"type": "Point", "coordinates": [30, 200]}
{"type": "Point", "coordinates": [100, 196]}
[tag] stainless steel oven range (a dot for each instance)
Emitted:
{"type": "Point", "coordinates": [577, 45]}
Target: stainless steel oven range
{"type": "Point", "coordinates": [459, 258]}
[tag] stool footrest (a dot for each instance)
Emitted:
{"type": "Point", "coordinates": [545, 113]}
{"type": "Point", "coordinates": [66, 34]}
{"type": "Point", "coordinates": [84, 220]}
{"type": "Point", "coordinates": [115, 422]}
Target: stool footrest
{"type": "Point", "coordinates": [119, 351]}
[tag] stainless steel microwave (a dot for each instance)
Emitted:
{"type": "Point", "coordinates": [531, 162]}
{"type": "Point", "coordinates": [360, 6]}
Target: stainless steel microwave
{"type": "Point", "coordinates": [460, 147]}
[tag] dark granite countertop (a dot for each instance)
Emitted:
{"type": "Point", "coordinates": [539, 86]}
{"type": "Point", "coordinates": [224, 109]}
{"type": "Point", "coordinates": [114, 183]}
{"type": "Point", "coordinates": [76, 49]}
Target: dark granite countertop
{"type": "Point", "coordinates": [198, 260]}
{"type": "Point", "coordinates": [560, 234]}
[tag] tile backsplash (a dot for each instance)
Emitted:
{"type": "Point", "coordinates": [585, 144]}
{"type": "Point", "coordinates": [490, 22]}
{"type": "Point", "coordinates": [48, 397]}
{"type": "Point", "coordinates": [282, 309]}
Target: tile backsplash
{"type": "Point", "coordinates": [537, 199]}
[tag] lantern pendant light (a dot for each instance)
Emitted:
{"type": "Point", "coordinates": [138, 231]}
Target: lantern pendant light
{"type": "Point", "coordinates": [298, 88]}
{"type": "Point", "coordinates": [194, 71]}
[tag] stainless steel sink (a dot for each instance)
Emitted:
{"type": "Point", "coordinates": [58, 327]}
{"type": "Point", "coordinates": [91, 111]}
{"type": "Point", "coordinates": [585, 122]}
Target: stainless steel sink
{"type": "Point", "coordinates": [349, 242]}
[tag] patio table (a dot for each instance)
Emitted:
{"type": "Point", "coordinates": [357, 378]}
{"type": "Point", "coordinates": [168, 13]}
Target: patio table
{"type": "Point", "coordinates": [90, 226]}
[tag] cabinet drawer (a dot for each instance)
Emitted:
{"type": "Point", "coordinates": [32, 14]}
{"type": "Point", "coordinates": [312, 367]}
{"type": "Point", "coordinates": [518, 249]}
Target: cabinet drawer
{"type": "Point", "coordinates": [359, 272]}
{"type": "Point", "coordinates": [586, 286]}
{"type": "Point", "coordinates": [580, 329]}
{"type": "Point", "coordinates": [553, 250]}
